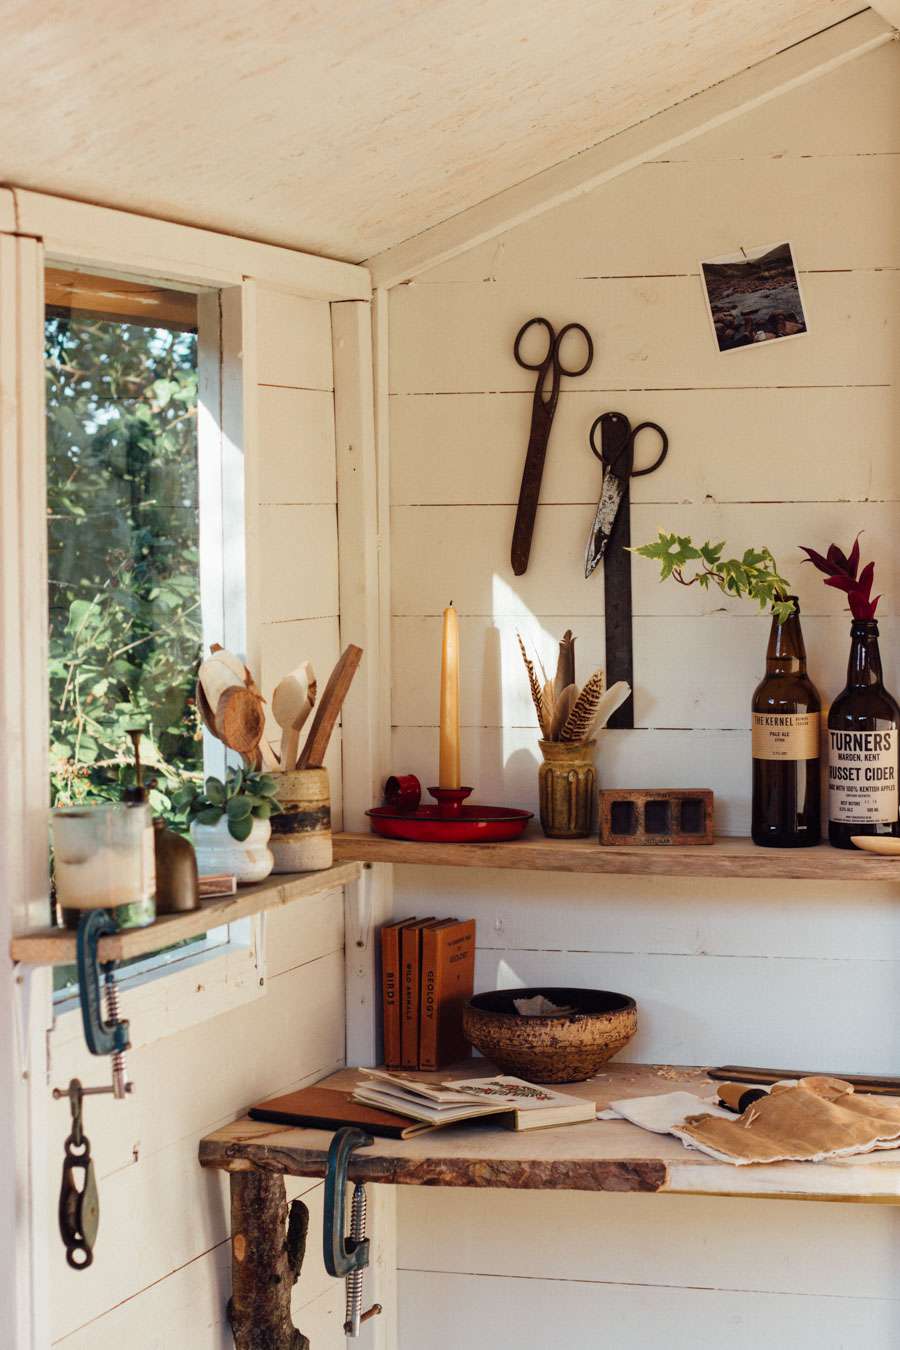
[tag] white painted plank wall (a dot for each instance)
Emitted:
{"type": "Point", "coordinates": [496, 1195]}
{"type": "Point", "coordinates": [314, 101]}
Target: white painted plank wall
{"type": "Point", "coordinates": [209, 1041]}
{"type": "Point", "coordinates": [791, 443]}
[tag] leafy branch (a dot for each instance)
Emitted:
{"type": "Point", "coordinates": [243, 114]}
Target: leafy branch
{"type": "Point", "coordinates": [754, 575]}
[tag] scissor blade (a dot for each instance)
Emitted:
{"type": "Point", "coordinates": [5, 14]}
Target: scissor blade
{"type": "Point", "coordinates": [604, 520]}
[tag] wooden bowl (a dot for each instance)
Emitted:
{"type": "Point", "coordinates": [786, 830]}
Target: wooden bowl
{"type": "Point", "coordinates": [560, 1049]}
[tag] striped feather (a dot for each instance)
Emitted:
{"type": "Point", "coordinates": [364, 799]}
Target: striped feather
{"type": "Point", "coordinates": [534, 686]}
{"type": "Point", "coordinates": [580, 720]}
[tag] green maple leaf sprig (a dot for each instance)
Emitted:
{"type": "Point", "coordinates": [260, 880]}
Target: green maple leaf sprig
{"type": "Point", "coordinates": [754, 575]}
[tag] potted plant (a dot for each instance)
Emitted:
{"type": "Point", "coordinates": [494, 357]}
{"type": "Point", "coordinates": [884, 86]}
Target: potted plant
{"type": "Point", "coordinates": [230, 823]}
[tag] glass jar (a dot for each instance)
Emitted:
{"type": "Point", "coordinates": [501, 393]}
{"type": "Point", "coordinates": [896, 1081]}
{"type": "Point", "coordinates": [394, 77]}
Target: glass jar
{"type": "Point", "coordinates": [104, 859]}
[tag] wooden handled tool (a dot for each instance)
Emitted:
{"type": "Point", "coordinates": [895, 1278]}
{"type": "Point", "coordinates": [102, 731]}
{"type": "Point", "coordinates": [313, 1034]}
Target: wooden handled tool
{"type": "Point", "coordinates": [292, 702]}
{"type": "Point", "coordinates": [329, 709]}
{"type": "Point", "coordinates": [742, 1073]}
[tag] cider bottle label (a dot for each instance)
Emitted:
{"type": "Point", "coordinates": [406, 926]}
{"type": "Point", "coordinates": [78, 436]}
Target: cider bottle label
{"type": "Point", "coordinates": [786, 735]}
{"type": "Point", "coordinates": [862, 777]}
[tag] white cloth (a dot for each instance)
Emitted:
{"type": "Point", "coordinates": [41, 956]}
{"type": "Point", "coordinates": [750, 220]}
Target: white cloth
{"type": "Point", "coordinates": [664, 1113]}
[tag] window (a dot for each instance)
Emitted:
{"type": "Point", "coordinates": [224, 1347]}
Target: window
{"type": "Point", "coordinates": [125, 616]}
{"type": "Point", "coordinates": [125, 621]}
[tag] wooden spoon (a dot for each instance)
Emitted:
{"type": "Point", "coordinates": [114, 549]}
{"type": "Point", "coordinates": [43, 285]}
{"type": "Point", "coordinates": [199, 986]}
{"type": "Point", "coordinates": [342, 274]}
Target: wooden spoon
{"type": "Point", "coordinates": [292, 702]}
{"type": "Point", "coordinates": [329, 709]}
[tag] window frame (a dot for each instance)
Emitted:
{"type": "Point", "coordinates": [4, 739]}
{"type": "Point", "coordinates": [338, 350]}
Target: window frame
{"type": "Point", "coordinates": [222, 515]}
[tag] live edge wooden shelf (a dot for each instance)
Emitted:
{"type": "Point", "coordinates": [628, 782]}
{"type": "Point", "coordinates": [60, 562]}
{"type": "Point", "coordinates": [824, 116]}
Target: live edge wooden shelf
{"type": "Point", "coordinates": [534, 852]}
{"type": "Point", "coordinates": [56, 946]}
{"type": "Point", "coordinates": [596, 1156]}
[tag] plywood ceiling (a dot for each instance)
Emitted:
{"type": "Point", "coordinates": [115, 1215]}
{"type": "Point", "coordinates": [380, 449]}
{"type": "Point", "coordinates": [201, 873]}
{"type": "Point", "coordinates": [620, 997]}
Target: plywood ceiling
{"type": "Point", "coordinates": [346, 126]}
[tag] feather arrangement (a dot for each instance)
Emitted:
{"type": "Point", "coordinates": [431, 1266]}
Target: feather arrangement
{"type": "Point", "coordinates": [565, 712]}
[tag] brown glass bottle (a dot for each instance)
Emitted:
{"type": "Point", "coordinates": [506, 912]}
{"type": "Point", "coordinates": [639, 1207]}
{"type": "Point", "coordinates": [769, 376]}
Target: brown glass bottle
{"type": "Point", "coordinates": [786, 780]}
{"type": "Point", "coordinates": [863, 739]}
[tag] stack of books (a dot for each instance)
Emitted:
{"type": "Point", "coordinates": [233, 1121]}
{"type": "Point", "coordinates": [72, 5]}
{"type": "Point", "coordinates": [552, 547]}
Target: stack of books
{"type": "Point", "coordinates": [427, 974]}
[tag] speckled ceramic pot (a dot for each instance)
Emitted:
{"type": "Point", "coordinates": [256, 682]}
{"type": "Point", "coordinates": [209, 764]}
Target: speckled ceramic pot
{"type": "Point", "coordinates": [567, 789]}
{"type": "Point", "coordinates": [559, 1049]}
{"type": "Point", "coordinates": [301, 832]}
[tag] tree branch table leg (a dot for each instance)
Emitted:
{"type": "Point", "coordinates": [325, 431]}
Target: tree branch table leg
{"type": "Point", "coordinates": [267, 1249]}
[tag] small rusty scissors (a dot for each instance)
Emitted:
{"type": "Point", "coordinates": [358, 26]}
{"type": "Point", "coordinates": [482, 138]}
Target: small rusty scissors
{"type": "Point", "coordinates": [618, 470]}
{"type": "Point", "coordinates": [542, 410]}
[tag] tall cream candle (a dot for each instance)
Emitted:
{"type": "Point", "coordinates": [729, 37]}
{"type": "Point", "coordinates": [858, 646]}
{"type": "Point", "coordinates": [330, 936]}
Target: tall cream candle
{"type": "Point", "coordinates": [448, 776]}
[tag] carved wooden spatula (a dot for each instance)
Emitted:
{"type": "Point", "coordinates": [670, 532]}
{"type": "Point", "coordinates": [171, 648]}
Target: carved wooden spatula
{"type": "Point", "coordinates": [329, 710]}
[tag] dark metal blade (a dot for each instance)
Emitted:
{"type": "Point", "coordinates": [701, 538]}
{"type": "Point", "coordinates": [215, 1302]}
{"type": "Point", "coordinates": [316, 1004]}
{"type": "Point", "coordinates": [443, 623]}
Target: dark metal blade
{"type": "Point", "coordinates": [604, 520]}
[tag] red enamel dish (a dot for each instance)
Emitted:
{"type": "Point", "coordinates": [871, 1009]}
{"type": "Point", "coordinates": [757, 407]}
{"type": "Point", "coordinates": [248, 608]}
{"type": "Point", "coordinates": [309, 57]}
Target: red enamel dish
{"type": "Point", "coordinates": [474, 824]}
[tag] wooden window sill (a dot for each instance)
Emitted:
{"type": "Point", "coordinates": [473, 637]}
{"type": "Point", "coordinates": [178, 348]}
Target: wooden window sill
{"type": "Point", "coordinates": [56, 946]}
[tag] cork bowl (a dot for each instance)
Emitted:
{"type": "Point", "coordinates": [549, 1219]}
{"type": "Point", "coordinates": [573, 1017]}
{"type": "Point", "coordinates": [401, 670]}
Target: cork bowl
{"type": "Point", "coordinates": [557, 1049]}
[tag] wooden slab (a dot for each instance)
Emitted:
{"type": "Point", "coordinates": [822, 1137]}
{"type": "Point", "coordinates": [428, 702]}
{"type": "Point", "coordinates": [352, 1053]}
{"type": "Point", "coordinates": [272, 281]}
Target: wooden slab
{"type": "Point", "coordinates": [596, 1156]}
{"type": "Point", "coordinates": [533, 852]}
{"type": "Point", "coordinates": [56, 946]}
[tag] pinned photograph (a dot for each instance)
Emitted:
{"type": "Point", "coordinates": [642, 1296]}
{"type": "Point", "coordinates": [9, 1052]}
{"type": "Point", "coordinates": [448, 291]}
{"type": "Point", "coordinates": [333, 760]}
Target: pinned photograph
{"type": "Point", "coordinates": [753, 296]}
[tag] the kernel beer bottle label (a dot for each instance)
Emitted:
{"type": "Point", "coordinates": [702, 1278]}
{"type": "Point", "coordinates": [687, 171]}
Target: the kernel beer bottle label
{"type": "Point", "coordinates": [862, 777]}
{"type": "Point", "coordinates": [786, 735]}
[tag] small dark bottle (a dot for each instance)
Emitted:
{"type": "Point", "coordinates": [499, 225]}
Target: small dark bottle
{"type": "Point", "coordinates": [786, 778]}
{"type": "Point", "coordinates": [863, 738]}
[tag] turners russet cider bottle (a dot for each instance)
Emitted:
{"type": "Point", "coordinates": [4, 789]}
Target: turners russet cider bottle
{"type": "Point", "coordinates": [863, 736]}
{"type": "Point", "coordinates": [786, 707]}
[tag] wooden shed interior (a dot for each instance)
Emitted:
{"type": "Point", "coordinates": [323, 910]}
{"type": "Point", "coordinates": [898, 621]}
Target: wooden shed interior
{"type": "Point", "coordinates": [339, 216]}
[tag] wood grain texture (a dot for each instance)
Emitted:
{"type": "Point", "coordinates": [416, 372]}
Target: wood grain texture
{"type": "Point", "coordinates": [338, 81]}
{"type": "Point", "coordinates": [600, 1156]}
{"type": "Point", "coordinates": [268, 1244]}
{"type": "Point", "coordinates": [563, 1313]}
{"type": "Point", "coordinates": [56, 946]}
{"type": "Point", "coordinates": [724, 858]}
{"type": "Point", "coordinates": [652, 138]}
{"type": "Point", "coordinates": [77, 233]}
{"type": "Point", "coordinates": [650, 332]}
{"type": "Point", "coordinates": [465, 448]}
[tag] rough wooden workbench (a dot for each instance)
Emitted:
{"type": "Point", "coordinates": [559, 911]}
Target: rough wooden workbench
{"type": "Point", "coordinates": [596, 1156]}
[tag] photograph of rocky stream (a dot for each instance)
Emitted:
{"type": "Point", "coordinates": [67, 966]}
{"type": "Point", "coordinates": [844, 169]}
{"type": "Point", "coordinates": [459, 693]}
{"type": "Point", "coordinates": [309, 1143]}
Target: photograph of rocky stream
{"type": "Point", "coordinates": [754, 297]}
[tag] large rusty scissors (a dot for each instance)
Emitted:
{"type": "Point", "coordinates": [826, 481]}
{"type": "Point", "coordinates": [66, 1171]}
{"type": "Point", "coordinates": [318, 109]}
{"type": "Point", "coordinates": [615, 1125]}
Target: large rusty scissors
{"type": "Point", "coordinates": [542, 410]}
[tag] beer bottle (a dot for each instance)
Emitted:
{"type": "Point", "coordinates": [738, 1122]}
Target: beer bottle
{"type": "Point", "coordinates": [786, 707]}
{"type": "Point", "coordinates": [863, 735]}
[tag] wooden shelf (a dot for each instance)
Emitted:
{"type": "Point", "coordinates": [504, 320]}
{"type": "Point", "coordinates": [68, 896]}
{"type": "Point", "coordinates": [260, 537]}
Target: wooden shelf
{"type": "Point", "coordinates": [534, 852]}
{"type": "Point", "coordinates": [603, 1155]}
{"type": "Point", "coordinates": [56, 946]}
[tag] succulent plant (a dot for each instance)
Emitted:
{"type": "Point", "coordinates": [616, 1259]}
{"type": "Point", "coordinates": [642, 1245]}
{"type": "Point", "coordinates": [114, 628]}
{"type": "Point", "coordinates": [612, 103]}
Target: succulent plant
{"type": "Point", "coordinates": [242, 798]}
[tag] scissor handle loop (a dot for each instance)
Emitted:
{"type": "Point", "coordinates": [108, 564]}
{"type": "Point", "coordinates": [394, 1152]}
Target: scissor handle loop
{"type": "Point", "coordinates": [663, 450]}
{"type": "Point", "coordinates": [554, 344]}
{"type": "Point", "coordinates": [551, 339]}
{"type": "Point", "coordinates": [629, 443]}
{"type": "Point", "coordinates": [578, 328]}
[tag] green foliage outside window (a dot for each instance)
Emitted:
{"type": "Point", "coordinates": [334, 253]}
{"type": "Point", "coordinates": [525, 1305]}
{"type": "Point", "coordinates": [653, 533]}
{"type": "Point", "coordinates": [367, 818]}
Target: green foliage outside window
{"type": "Point", "coordinates": [125, 628]}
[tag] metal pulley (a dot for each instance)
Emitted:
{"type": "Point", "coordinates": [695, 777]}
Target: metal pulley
{"type": "Point", "coordinates": [79, 1205]}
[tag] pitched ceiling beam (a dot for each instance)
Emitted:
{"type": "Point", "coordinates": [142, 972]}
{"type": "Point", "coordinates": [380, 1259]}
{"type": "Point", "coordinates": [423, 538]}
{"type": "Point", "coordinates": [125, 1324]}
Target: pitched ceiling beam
{"type": "Point", "coordinates": [889, 10]}
{"type": "Point", "coordinates": [655, 137]}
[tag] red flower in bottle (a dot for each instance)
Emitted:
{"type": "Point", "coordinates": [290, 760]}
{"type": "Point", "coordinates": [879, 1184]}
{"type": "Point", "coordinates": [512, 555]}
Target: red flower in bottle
{"type": "Point", "coordinates": [842, 572]}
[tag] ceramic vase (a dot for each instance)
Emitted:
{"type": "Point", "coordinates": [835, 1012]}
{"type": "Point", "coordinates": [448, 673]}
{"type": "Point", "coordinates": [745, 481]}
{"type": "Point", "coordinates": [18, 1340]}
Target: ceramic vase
{"type": "Point", "coordinates": [217, 850]}
{"type": "Point", "coordinates": [567, 789]}
{"type": "Point", "coordinates": [301, 832]}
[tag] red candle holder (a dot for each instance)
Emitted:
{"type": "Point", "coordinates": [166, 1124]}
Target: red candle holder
{"type": "Point", "coordinates": [450, 801]}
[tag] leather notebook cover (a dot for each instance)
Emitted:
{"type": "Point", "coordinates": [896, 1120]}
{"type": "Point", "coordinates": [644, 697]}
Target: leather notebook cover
{"type": "Point", "coordinates": [448, 975]}
{"type": "Point", "coordinates": [329, 1109]}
